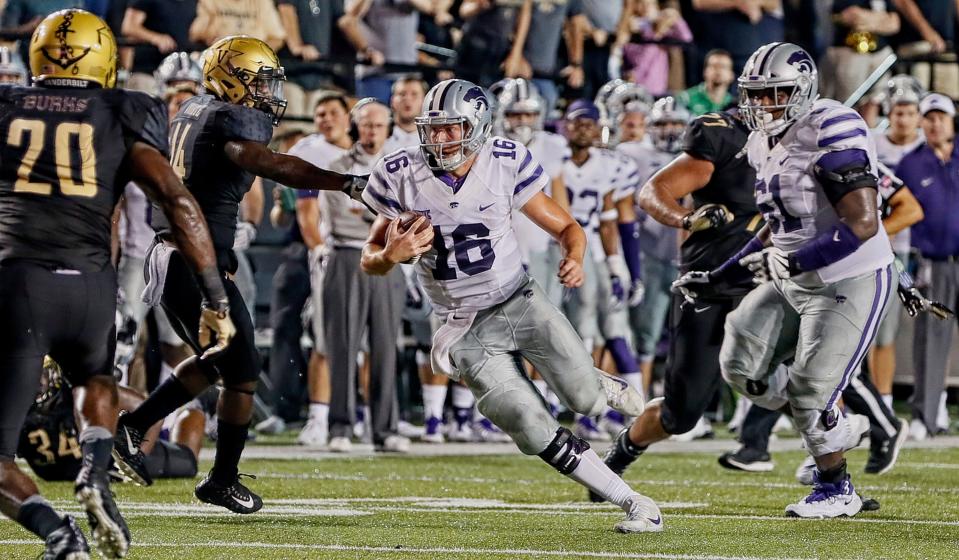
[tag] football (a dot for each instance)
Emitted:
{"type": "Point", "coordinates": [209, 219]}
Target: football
{"type": "Point", "coordinates": [408, 217]}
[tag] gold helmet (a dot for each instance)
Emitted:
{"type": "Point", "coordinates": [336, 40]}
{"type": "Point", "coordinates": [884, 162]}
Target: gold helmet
{"type": "Point", "coordinates": [245, 71]}
{"type": "Point", "coordinates": [73, 45]}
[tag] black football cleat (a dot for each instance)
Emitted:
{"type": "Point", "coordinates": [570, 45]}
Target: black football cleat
{"type": "Point", "coordinates": [234, 497]}
{"type": "Point", "coordinates": [883, 453]}
{"type": "Point", "coordinates": [746, 459]}
{"type": "Point", "coordinates": [67, 542]}
{"type": "Point", "coordinates": [127, 455]}
{"type": "Point", "coordinates": [110, 533]}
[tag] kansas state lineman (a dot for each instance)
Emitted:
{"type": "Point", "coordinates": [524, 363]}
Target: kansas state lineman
{"type": "Point", "coordinates": [828, 272]}
{"type": "Point", "coordinates": [467, 185]}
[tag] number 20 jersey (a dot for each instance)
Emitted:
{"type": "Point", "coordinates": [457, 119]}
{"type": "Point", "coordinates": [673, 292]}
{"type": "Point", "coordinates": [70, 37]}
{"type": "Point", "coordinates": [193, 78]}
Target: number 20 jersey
{"type": "Point", "coordinates": [791, 198]}
{"type": "Point", "coordinates": [475, 262]}
{"type": "Point", "coordinates": [63, 167]}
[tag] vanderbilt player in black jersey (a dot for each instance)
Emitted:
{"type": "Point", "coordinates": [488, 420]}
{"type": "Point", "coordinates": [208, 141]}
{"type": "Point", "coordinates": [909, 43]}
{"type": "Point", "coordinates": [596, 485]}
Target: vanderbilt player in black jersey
{"type": "Point", "coordinates": [66, 148]}
{"type": "Point", "coordinates": [218, 146]}
{"type": "Point", "coordinates": [713, 170]}
{"type": "Point", "coordinates": [48, 441]}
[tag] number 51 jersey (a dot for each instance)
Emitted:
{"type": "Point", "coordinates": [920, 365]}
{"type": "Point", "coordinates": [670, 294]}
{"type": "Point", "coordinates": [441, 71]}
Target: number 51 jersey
{"type": "Point", "coordinates": [63, 157]}
{"type": "Point", "coordinates": [475, 261]}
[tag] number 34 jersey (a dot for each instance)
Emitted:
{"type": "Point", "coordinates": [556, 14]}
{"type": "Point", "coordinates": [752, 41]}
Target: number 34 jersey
{"type": "Point", "coordinates": [475, 262]}
{"type": "Point", "coordinates": [63, 167]}
{"type": "Point", "coordinates": [791, 198]}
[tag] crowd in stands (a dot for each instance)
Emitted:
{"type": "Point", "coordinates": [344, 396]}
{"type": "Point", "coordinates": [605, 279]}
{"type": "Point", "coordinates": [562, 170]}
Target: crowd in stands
{"type": "Point", "coordinates": [335, 51]}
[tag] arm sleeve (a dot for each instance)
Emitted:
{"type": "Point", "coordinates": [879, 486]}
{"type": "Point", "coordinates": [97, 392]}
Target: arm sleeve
{"type": "Point", "coordinates": [143, 118]}
{"type": "Point", "coordinates": [243, 123]}
{"type": "Point", "coordinates": [380, 196]}
{"type": "Point", "coordinates": [842, 172]}
{"type": "Point", "coordinates": [530, 178]}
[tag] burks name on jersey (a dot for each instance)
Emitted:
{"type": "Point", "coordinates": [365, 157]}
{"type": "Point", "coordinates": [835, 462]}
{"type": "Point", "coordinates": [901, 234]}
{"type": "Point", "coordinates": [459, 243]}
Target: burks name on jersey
{"type": "Point", "coordinates": [792, 199]}
{"type": "Point", "coordinates": [475, 261]}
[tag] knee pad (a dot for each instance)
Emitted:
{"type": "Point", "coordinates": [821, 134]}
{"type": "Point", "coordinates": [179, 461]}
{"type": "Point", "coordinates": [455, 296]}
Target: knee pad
{"type": "Point", "coordinates": [565, 451]}
{"type": "Point", "coordinates": [517, 409]}
{"type": "Point", "coordinates": [823, 431]}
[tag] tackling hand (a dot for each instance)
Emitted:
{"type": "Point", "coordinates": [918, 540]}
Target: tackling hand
{"type": "Point", "coordinates": [707, 216]}
{"type": "Point", "coordinates": [769, 264]}
{"type": "Point", "coordinates": [688, 283]}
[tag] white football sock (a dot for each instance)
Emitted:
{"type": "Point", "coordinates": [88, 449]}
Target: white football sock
{"type": "Point", "coordinates": [434, 397]}
{"type": "Point", "coordinates": [462, 397]}
{"type": "Point", "coordinates": [887, 399]}
{"type": "Point", "coordinates": [593, 473]}
{"type": "Point", "coordinates": [320, 412]}
{"type": "Point", "coordinates": [541, 386]}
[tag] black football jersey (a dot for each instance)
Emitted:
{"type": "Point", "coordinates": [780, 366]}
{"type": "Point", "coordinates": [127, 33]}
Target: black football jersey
{"type": "Point", "coordinates": [198, 134]}
{"type": "Point", "coordinates": [63, 167]}
{"type": "Point", "coordinates": [720, 138]}
{"type": "Point", "coordinates": [48, 440]}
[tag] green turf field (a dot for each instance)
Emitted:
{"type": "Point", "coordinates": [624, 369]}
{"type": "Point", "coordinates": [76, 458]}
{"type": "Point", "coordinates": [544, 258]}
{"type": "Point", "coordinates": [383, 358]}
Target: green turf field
{"type": "Point", "coordinates": [510, 506]}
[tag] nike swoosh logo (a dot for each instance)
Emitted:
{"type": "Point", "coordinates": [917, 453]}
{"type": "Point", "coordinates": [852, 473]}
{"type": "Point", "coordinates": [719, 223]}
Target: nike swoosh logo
{"type": "Point", "coordinates": [835, 237]}
{"type": "Point", "coordinates": [698, 310]}
{"type": "Point", "coordinates": [657, 521]}
{"type": "Point", "coordinates": [247, 503]}
{"type": "Point", "coordinates": [483, 208]}
{"type": "Point", "coordinates": [132, 449]}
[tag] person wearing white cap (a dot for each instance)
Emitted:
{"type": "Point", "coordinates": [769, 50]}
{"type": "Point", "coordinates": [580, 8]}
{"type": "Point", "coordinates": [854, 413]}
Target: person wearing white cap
{"type": "Point", "coordinates": [932, 172]}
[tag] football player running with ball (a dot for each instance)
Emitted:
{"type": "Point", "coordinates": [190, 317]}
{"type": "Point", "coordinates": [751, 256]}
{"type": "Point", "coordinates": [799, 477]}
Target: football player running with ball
{"type": "Point", "coordinates": [827, 273]}
{"type": "Point", "coordinates": [466, 184]}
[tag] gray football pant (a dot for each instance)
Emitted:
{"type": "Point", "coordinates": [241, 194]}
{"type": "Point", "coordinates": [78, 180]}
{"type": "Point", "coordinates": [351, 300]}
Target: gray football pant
{"type": "Point", "coordinates": [353, 303]}
{"type": "Point", "coordinates": [824, 329]}
{"type": "Point", "coordinates": [931, 344]}
{"type": "Point", "coordinates": [488, 356]}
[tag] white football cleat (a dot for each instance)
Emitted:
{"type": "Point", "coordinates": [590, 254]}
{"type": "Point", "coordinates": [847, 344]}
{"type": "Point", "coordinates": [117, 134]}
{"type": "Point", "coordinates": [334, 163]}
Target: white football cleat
{"type": "Point", "coordinates": [918, 431]}
{"type": "Point", "coordinates": [620, 396]}
{"type": "Point", "coordinates": [643, 517]}
{"type": "Point", "coordinates": [858, 430]}
{"type": "Point", "coordinates": [702, 430]}
{"type": "Point", "coordinates": [586, 428]}
{"type": "Point", "coordinates": [273, 425]}
{"type": "Point", "coordinates": [827, 501]}
{"type": "Point", "coordinates": [485, 431]}
{"type": "Point", "coordinates": [394, 444]}
{"type": "Point", "coordinates": [340, 444]}
{"type": "Point", "coordinates": [433, 432]}
{"type": "Point", "coordinates": [313, 434]}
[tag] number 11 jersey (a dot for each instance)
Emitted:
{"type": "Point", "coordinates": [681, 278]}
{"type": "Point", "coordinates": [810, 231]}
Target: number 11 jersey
{"type": "Point", "coordinates": [475, 261]}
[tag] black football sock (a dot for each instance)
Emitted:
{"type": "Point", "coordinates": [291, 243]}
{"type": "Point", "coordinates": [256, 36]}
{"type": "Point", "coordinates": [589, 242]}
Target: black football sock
{"type": "Point", "coordinates": [96, 443]}
{"type": "Point", "coordinates": [834, 475]}
{"type": "Point", "coordinates": [230, 441]}
{"type": "Point", "coordinates": [38, 516]}
{"type": "Point", "coordinates": [166, 398]}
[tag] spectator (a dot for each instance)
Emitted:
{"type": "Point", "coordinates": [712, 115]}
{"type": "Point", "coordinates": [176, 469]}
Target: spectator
{"type": "Point", "coordinates": [332, 140]}
{"type": "Point", "coordinates": [311, 31]}
{"type": "Point", "coordinates": [381, 31]}
{"type": "Point", "coordinates": [220, 18]}
{"type": "Point", "coordinates": [647, 64]}
{"type": "Point", "coordinates": [930, 28]}
{"type": "Point", "coordinates": [23, 16]}
{"type": "Point", "coordinates": [859, 45]}
{"type": "Point", "coordinates": [738, 26]}
{"type": "Point", "coordinates": [933, 171]}
{"type": "Point", "coordinates": [541, 48]}
{"type": "Point", "coordinates": [355, 302]}
{"type": "Point", "coordinates": [602, 19]}
{"type": "Point", "coordinates": [406, 103]}
{"type": "Point", "coordinates": [161, 27]}
{"type": "Point", "coordinates": [713, 93]}
{"type": "Point", "coordinates": [493, 37]}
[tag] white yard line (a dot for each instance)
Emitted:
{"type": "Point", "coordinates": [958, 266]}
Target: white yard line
{"type": "Point", "coordinates": [472, 552]}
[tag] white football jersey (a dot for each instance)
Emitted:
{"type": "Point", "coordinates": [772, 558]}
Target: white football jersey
{"type": "Point", "coordinates": [790, 197]}
{"type": "Point", "coordinates": [587, 186]}
{"type": "Point", "coordinates": [550, 150]}
{"type": "Point", "coordinates": [657, 240]}
{"type": "Point", "coordinates": [316, 150]}
{"type": "Point", "coordinates": [890, 155]}
{"type": "Point", "coordinates": [475, 262]}
{"type": "Point", "coordinates": [136, 235]}
{"type": "Point", "coordinates": [401, 139]}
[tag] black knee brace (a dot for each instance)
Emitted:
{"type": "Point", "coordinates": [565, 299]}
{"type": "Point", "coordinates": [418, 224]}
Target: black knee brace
{"type": "Point", "coordinates": [565, 451]}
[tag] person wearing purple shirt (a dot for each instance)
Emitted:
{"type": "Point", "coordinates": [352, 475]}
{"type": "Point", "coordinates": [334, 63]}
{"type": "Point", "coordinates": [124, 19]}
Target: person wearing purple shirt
{"type": "Point", "coordinates": [932, 173]}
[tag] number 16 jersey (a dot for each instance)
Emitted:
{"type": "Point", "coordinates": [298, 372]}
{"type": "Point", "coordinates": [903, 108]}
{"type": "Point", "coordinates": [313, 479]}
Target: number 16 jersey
{"type": "Point", "coordinates": [475, 262]}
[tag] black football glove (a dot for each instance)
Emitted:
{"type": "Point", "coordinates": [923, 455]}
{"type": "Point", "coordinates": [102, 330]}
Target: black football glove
{"type": "Point", "coordinates": [707, 216]}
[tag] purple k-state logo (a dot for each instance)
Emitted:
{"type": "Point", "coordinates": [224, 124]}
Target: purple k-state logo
{"type": "Point", "coordinates": [476, 93]}
{"type": "Point", "coordinates": [801, 60]}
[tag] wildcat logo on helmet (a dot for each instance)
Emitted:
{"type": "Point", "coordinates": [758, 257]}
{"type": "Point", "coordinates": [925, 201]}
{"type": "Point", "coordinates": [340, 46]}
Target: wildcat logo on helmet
{"type": "Point", "coordinates": [476, 93]}
{"type": "Point", "coordinates": [801, 60]}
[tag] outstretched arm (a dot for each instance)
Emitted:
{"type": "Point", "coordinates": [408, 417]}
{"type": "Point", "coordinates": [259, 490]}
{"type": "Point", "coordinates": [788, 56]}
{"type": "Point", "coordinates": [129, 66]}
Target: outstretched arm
{"type": "Point", "coordinates": [286, 169]}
